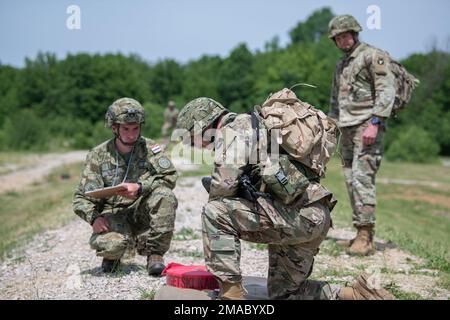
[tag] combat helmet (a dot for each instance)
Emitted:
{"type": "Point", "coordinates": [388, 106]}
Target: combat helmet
{"type": "Point", "coordinates": [203, 111]}
{"type": "Point", "coordinates": [125, 110]}
{"type": "Point", "coordinates": [341, 24]}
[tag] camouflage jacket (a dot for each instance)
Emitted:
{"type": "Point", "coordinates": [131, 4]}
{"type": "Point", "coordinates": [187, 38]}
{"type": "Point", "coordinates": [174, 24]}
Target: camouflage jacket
{"type": "Point", "coordinates": [235, 154]}
{"type": "Point", "coordinates": [363, 86]}
{"type": "Point", "coordinates": [148, 165]}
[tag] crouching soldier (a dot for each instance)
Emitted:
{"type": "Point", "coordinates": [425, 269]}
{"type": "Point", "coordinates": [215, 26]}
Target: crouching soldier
{"type": "Point", "coordinates": [293, 232]}
{"type": "Point", "coordinates": [140, 216]}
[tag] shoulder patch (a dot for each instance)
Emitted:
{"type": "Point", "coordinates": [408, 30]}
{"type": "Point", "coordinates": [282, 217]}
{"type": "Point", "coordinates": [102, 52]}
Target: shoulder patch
{"type": "Point", "coordinates": [380, 66]}
{"type": "Point", "coordinates": [164, 163]}
{"type": "Point", "coordinates": [156, 148]}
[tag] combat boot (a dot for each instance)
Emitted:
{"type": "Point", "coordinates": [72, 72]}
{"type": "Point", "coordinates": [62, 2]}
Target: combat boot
{"type": "Point", "coordinates": [345, 243]}
{"type": "Point", "coordinates": [231, 291]}
{"type": "Point", "coordinates": [363, 243]}
{"type": "Point", "coordinates": [362, 290]}
{"type": "Point", "coordinates": [155, 265]}
{"type": "Point", "coordinates": [109, 266]}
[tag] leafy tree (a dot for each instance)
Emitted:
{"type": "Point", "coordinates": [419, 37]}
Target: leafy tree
{"type": "Point", "coordinates": [236, 79]}
{"type": "Point", "coordinates": [414, 144]}
{"type": "Point", "coordinates": [165, 80]}
{"type": "Point", "coordinates": [313, 28]}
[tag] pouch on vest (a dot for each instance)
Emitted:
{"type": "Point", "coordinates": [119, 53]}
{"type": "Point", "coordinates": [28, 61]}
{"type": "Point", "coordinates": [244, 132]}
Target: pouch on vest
{"type": "Point", "coordinates": [285, 179]}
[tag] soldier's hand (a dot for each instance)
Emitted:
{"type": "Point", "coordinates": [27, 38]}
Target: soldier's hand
{"type": "Point", "coordinates": [100, 225]}
{"type": "Point", "coordinates": [370, 134]}
{"type": "Point", "coordinates": [131, 192]}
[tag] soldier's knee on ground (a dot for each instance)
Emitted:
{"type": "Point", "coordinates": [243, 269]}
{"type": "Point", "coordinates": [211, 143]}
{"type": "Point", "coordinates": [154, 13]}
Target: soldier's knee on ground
{"type": "Point", "coordinates": [111, 245]}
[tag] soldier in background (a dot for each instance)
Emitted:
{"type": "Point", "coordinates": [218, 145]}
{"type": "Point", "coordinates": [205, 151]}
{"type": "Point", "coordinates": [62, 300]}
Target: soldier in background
{"type": "Point", "coordinates": [143, 215]}
{"type": "Point", "coordinates": [293, 233]}
{"type": "Point", "coordinates": [170, 121]}
{"type": "Point", "coordinates": [363, 94]}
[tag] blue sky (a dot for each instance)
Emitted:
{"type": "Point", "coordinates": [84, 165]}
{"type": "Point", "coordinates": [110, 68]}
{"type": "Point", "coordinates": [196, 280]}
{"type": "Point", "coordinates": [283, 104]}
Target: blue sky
{"type": "Point", "coordinates": [184, 30]}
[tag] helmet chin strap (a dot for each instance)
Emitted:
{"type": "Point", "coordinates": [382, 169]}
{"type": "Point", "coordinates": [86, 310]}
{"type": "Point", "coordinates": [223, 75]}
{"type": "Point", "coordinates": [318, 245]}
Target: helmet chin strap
{"type": "Point", "coordinates": [117, 135]}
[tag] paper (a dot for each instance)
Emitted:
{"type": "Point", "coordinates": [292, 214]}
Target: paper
{"type": "Point", "coordinates": [105, 192]}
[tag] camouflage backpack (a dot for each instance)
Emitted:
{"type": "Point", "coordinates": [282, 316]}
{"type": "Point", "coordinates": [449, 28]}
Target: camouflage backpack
{"type": "Point", "coordinates": [405, 83]}
{"type": "Point", "coordinates": [307, 134]}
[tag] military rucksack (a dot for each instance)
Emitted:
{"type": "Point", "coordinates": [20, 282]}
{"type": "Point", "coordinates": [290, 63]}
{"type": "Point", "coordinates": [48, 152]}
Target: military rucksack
{"type": "Point", "coordinates": [307, 134]}
{"type": "Point", "coordinates": [405, 83]}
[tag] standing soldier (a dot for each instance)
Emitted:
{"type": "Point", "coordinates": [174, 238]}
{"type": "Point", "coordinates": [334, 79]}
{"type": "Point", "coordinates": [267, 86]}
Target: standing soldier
{"type": "Point", "coordinates": [170, 120]}
{"type": "Point", "coordinates": [143, 214]}
{"type": "Point", "coordinates": [293, 232]}
{"type": "Point", "coordinates": [363, 94]}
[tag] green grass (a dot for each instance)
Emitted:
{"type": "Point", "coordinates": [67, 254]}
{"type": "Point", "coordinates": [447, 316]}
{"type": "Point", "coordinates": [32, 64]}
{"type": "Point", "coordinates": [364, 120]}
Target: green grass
{"type": "Point", "coordinates": [202, 171]}
{"type": "Point", "coordinates": [193, 254]}
{"type": "Point", "coordinates": [147, 295]}
{"type": "Point", "coordinates": [37, 208]}
{"type": "Point", "coordinates": [402, 295]}
{"type": "Point", "coordinates": [330, 248]}
{"type": "Point", "coordinates": [411, 171]}
{"type": "Point", "coordinates": [259, 246]}
{"type": "Point", "coordinates": [186, 234]}
{"type": "Point", "coordinates": [410, 216]}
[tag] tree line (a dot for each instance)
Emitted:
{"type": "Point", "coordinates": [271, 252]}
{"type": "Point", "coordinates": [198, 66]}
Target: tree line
{"type": "Point", "coordinates": [52, 104]}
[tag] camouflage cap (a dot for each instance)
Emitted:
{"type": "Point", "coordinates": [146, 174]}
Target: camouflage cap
{"type": "Point", "coordinates": [171, 103]}
{"type": "Point", "coordinates": [125, 110]}
{"type": "Point", "coordinates": [341, 24]}
{"type": "Point", "coordinates": [201, 110]}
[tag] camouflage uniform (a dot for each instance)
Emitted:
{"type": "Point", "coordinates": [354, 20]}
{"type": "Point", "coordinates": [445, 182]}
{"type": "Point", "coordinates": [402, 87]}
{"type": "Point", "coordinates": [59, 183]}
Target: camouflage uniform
{"type": "Point", "coordinates": [292, 232]}
{"type": "Point", "coordinates": [170, 119]}
{"type": "Point", "coordinates": [363, 88]}
{"type": "Point", "coordinates": [148, 220]}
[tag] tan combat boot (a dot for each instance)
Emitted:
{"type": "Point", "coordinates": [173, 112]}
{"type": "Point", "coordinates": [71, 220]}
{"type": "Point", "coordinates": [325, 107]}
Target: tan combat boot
{"type": "Point", "coordinates": [231, 291]}
{"type": "Point", "coordinates": [155, 265]}
{"type": "Point", "coordinates": [363, 243]}
{"type": "Point", "coordinates": [362, 290]}
{"type": "Point", "coordinates": [345, 243]}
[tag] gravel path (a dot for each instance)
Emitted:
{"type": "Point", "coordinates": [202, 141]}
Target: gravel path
{"type": "Point", "coordinates": [42, 166]}
{"type": "Point", "coordinates": [58, 264]}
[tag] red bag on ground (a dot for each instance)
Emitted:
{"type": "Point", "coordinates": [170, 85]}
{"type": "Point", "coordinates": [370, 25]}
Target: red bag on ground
{"type": "Point", "coordinates": [192, 277]}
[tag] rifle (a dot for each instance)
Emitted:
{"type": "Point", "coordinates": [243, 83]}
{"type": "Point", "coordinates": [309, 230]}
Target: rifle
{"type": "Point", "coordinates": [261, 200]}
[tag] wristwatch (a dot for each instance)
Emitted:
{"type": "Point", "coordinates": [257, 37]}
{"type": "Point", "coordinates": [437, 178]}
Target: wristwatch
{"type": "Point", "coordinates": [376, 120]}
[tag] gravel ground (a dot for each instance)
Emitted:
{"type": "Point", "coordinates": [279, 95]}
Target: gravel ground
{"type": "Point", "coordinates": [58, 264]}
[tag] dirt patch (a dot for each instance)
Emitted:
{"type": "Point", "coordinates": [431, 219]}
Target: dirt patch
{"type": "Point", "coordinates": [414, 194]}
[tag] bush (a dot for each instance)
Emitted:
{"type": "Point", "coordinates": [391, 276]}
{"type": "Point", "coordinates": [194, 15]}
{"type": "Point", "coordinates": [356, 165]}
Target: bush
{"type": "Point", "coordinates": [154, 118]}
{"type": "Point", "coordinates": [413, 144]}
{"type": "Point", "coordinates": [24, 130]}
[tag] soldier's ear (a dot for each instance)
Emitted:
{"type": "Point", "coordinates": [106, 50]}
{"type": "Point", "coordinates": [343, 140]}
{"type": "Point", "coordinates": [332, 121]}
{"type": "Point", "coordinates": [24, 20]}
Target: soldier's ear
{"type": "Point", "coordinates": [114, 129]}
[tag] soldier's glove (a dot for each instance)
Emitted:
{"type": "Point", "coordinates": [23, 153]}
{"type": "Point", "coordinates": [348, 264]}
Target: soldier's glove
{"type": "Point", "coordinates": [206, 182]}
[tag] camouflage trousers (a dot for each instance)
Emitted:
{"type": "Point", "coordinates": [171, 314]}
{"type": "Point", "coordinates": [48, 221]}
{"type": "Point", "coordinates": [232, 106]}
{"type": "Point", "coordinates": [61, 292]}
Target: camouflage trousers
{"type": "Point", "coordinates": [147, 225]}
{"type": "Point", "coordinates": [361, 163]}
{"type": "Point", "coordinates": [293, 241]}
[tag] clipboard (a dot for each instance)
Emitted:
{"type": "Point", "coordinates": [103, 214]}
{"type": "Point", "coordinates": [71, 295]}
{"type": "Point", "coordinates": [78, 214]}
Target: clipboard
{"type": "Point", "coordinates": [105, 192]}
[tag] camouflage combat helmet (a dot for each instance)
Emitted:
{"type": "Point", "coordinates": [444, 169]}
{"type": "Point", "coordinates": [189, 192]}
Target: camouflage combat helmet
{"type": "Point", "coordinates": [204, 111]}
{"type": "Point", "coordinates": [341, 24]}
{"type": "Point", "coordinates": [125, 110]}
{"type": "Point", "coordinates": [171, 103]}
